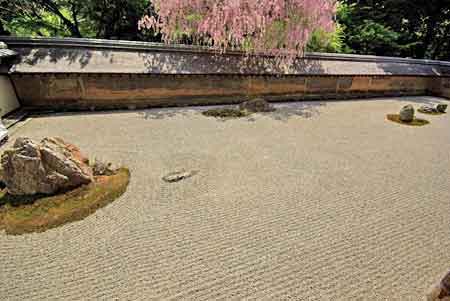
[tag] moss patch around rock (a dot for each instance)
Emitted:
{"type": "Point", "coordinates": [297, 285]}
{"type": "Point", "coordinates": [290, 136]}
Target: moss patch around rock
{"type": "Point", "coordinates": [226, 113]}
{"type": "Point", "coordinates": [415, 122]}
{"type": "Point", "coordinates": [25, 214]}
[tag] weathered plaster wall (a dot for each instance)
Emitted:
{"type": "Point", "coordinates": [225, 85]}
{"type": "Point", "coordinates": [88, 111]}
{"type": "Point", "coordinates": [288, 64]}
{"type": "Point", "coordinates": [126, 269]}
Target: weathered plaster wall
{"type": "Point", "coordinates": [122, 91]}
{"type": "Point", "coordinates": [82, 74]}
{"type": "Point", "coordinates": [8, 99]}
{"type": "Point", "coordinates": [444, 87]}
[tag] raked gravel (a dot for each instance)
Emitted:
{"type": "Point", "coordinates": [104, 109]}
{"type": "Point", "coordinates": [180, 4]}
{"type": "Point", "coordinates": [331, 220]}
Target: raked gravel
{"type": "Point", "coordinates": [317, 201]}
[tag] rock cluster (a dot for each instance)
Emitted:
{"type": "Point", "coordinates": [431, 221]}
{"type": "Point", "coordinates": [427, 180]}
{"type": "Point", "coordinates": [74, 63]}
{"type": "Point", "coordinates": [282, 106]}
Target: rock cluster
{"type": "Point", "coordinates": [428, 109]}
{"type": "Point", "coordinates": [45, 168]}
{"type": "Point", "coordinates": [256, 105]}
{"type": "Point", "coordinates": [407, 113]}
{"type": "Point", "coordinates": [440, 108]}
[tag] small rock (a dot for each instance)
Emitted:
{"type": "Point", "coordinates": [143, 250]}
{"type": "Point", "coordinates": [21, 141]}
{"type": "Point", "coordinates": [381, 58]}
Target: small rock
{"type": "Point", "coordinates": [407, 113]}
{"type": "Point", "coordinates": [100, 168]}
{"type": "Point", "coordinates": [441, 108]}
{"type": "Point", "coordinates": [256, 105]}
{"type": "Point", "coordinates": [48, 167]}
{"type": "Point", "coordinates": [440, 291]}
{"type": "Point", "coordinates": [178, 176]}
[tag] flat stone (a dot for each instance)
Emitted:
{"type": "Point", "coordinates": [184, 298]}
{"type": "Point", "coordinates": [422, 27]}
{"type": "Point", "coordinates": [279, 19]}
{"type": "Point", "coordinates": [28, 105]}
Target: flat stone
{"type": "Point", "coordinates": [428, 109]}
{"type": "Point", "coordinates": [178, 176]}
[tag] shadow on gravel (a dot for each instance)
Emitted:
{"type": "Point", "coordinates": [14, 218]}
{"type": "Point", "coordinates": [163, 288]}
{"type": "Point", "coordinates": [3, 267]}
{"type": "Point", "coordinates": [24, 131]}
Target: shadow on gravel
{"type": "Point", "coordinates": [157, 114]}
{"type": "Point", "coordinates": [283, 112]}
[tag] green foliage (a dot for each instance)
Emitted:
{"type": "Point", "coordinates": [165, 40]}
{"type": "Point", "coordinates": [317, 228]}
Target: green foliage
{"type": "Point", "coordinates": [331, 42]}
{"type": "Point", "coordinates": [364, 34]}
{"type": "Point", "coordinates": [112, 19]}
{"type": "Point", "coordinates": [375, 38]}
{"type": "Point", "coordinates": [328, 42]}
{"type": "Point", "coordinates": [116, 19]}
{"type": "Point", "coordinates": [34, 18]}
{"type": "Point", "coordinates": [418, 29]}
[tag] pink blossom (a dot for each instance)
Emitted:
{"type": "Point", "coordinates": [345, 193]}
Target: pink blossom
{"type": "Point", "coordinates": [275, 27]}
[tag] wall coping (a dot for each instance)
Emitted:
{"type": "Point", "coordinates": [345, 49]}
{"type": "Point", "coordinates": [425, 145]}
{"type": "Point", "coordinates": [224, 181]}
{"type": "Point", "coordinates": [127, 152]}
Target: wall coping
{"type": "Point", "coordinates": [160, 47]}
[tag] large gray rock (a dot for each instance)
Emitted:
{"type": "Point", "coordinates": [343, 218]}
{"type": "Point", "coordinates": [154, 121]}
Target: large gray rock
{"type": "Point", "coordinates": [407, 113]}
{"type": "Point", "coordinates": [256, 105]}
{"type": "Point", "coordinates": [48, 167]}
{"type": "Point", "coordinates": [441, 108]}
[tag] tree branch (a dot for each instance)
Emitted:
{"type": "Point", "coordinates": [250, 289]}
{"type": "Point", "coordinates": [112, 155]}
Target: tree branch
{"type": "Point", "coordinates": [53, 7]}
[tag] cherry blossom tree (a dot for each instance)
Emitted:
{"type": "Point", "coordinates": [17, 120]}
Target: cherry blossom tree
{"type": "Point", "coordinates": [275, 27]}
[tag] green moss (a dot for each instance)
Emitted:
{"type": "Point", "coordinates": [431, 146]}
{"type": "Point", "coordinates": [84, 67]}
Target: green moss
{"type": "Point", "coordinates": [226, 113]}
{"type": "Point", "coordinates": [415, 122]}
{"type": "Point", "coordinates": [25, 214]}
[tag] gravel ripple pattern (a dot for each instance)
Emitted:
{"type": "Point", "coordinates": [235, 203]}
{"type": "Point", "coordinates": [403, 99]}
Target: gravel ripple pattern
{"type": "Point", "coordinates": [338, 204]}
